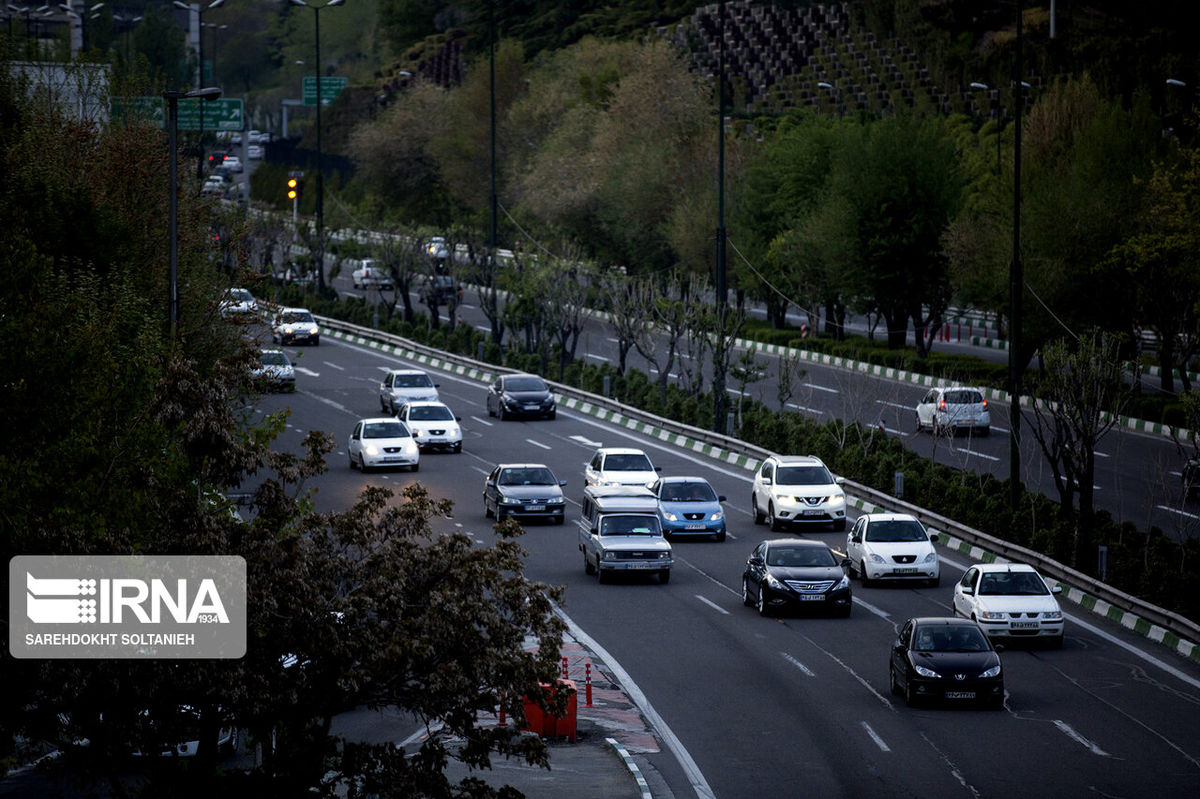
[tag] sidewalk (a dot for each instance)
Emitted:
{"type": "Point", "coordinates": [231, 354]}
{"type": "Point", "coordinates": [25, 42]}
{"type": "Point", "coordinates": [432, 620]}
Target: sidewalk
{"type": "Point", "coordinates": [604, 762]}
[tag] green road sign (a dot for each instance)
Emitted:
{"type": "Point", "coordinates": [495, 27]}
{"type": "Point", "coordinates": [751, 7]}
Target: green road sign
{"type": "Point", "coordinates": [330, 89]}
{"type": "Point", "coordinates": [218, 114]}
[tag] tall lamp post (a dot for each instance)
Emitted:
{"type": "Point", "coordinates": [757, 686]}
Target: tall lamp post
{"type": "Point", "coordinates": [127, 24]}
{"type": "Point", "coordinates": [837, 95]}
{"type": "Point", "coordinates": [320, 166]}
{"type": "Point", "coordinates": [1016, 282]}
{"type": "Point", "coordinates": [720, 356]}
{"type": "Point", "coordinates": [173, 99]}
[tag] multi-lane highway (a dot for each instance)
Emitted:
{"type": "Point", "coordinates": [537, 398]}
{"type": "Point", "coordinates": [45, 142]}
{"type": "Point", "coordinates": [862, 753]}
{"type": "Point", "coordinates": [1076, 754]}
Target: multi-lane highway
{"type": "Point", "coordinates": [792, 706]}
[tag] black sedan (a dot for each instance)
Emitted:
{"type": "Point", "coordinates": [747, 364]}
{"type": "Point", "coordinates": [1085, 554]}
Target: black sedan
{"type": "Point", "coordinates": [946, 659]}
{"type": "Point", "coordinates": [795, 574]}
{"type": "Point", "coordinates": [519, 395]}
{"type": "Point", "coordinates": [524, 490]}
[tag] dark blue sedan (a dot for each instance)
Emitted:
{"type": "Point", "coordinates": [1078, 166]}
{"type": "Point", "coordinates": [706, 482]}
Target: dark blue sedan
{"type": "Point", "coordinates": [689, 506]}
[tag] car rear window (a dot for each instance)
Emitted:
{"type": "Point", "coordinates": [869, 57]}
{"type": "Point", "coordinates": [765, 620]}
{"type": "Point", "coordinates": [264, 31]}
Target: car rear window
{"type": "Point", "coordinates": [963, 397]}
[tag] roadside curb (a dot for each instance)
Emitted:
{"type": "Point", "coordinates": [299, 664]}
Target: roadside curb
{"type": "Point", "coordinates": [1127, 619]}
{"type": "Point", "coordinates": [632, 766]}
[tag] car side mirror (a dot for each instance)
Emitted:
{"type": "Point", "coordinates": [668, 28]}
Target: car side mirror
{"type": "Point", "coordinates": [766, 481]}
{"type": "Point", "coordinates": [720, 497]}
{"type": "Point", "coordinates": [847, 563]}
{"type": "Point", "coordinates": [933, 538]}
{"type": "Point", "coordinates": [458, 418]}
{"type": "Point", "coordinates": [897, 645]}
{"type": "Point", "coordinates": [1056, 589]}
{"type": "Point", "coordinates": [968, 591]}
{"type": "Point", "coordinates": [998, 647]}
{"type": "Point", "coordinates": [839, 481]}
{"type": "Point", "coordinates": [437, 385]}
{"type": "Point", "coordinates": [658, 468]}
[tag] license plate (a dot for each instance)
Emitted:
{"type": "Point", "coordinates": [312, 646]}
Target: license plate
{"type": "Point", "coordinates": [812, 513]}
{"type": "Point", "coordinates": [812, 597]}
{"type": "Point", "coordinates": [637, 565]}
{"type": "Point", "coordinates": [1024, 625]}
{"type": "Point", "coordinates": [437, 439]}
{"type": "Point", "coordinates": [904, 571]}
{"type": "Point", "coordinates": [535, 507]}
{"type": "Point", "coordinates": [531, 407]}
{"type": "Point", "coordinates": [695, 527]}
{"type": "Point", "coordinates": [960, 694]}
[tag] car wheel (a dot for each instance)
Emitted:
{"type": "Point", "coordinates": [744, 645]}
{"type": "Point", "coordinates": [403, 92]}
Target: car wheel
{"type": "Point", "coordinates": [500, 514]}
{"type": "Point", "coordinates": [892, 679]}
{"type": "Point", "coordinates": [491, 413]}
{"type": "Point", "coordinates": [984, 432]}
{"type": "Point", "coordinates": [664, 576]}
{"type": "Point", "coordinates": [839, 525]}
{"type": "Point", "coordinates": [1056, 642]}
{"type": "Point", "coordinates": [351, 459]}
{"type": "Point", "coordinates": [920, 427]}
{"type": "Point", "coordinates": [383, 406]}
{"type": "Point", "coordinates": [457, 447]}
{"type": "Point", "coordinates": [316, 341]}
{"type": "Point", "coordinates": [559, 519]}
{"type": "Point", "coordinates": [763, 610]}
{"type": "Point", "coordinates": [910, 698]}
{"type": "Point", "coordinates": [746, 600]}
{"type": "Point", "coordinates": [588, 568]}
{"type": "Point", "coordinates": [416, 467]}
{"type": "Point", "coordinates": [488, 513]}
{"type": "Point", "coordinates": [500, 412]}
{"type": "Point", "coordinates": [552, 414]}
{"type": "Point", "coordinates": [758, 517]}
{"type": "Point", "coordinates": [600, 575]}
{"type": "Point", "coordinates": [772, 523]}
{"type": "Point", "coordinates": [862, 573]}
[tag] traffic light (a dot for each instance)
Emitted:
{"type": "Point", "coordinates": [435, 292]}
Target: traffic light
{"type": "Point", "coordinates": [294, 188]}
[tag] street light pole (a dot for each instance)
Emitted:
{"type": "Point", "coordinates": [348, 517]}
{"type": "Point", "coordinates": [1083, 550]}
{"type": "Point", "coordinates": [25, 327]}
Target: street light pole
{"type": "Point", "coordinates": [720, 353]}
{"type": "Point", "coordinates": [320, 165]}
{"type": "Point", "coordinates": [173, 99]}
{"type": "Point", "coordinates": [1016, 285]}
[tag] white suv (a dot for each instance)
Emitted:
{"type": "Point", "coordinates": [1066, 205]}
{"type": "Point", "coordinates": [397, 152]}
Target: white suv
{"type": "Point", "coordinates": [955, 408]}
{"type": "Point", "coordinates": [797, 489]}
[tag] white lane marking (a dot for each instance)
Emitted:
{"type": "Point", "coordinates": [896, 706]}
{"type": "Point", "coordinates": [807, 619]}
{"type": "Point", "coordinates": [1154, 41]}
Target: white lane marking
{"type": "Point", "coordinates": [694, 775]}
{"type": "Point", "coordinates": [468, 307]}
{"type": "Point", "coordinates": [538, 444]}
{"type": "Point", "coordinates": [587, 442]}
{"type": "Point", "coordinates": [712, 605]}
{"type": "Point", "coordinates": [481, 470]}
{"type": "Point", "coordinates": [1070, 733]}
{"type": "Point", "coordinates": [330, 403]}
{"type": "Point", "coordinates": [894, 405]}
{"type": "Point", "coordinates": [482, 421]}
{"type": "Point", "coordinates": [822, 388]}
{"type": "Point", "coordinates": [1177, 511]}
{"type": "Point", "coordinates": [805, 409]}
{"type": "Point", "coordinates": [1004, 430]}
{"type": "Point", "coordinates": [893, 430]}
{"type": "Point", "coordinates": [883, 614]}
{"type": "Point", "coordinates": [798, 664]}
{"type": "Point", "coordinates": [1099, 454]}
{"type": "Point", "coordinates": [308, 372]}
{"type": "Point", "coordinates": [333, 365]}
{"type": "Point", "coordinates": [976, 454]}
{"type": "Point", "coordinates": [596, 357]}
{"type": "Point", "coordinates": [875, 737]}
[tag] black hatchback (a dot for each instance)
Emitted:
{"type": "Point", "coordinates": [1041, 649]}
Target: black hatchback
{"type": "Point", "coordinates": [946, 659]}
{"type": "Point", "coordinates": [795, 574]}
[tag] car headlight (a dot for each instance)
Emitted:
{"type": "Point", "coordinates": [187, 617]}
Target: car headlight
{"type": "Point", "coordinates": [506, 499]}
{"type": "Point", "coordinates": [930, 558]}
{"type": "Point", "coordinates": [610, 555]}
{"type": "Point", "coordinates": [993, 615]}
{"type": "Point", "coordinates": [716, 517]}
{"type": "Point", "coordinates": [837, 499]}
{"type": "Point", "coordinates": [371, 450]}
{"type": "Point", "coordinates": [774, 583]}
{"type": "Point", "coordinates": [664, 555]}
{"type": "Point", "coordinates": [877, 559]}
{"type": "Point", "coordinates": [555, 501]}
{"type": "Point", "coordinates": [924, 672]}
{"type": "Point", "coordinates": [994, 671]}
{"type": "Point", "coordinates": [1052, 615]}
{"type": "Point", "coordinates": [671, 517]}
{"type": "Point", "coordinates": [842, 583]}
{"type": "Point", "coordinates": [609, 483]}
{"type": "Point", "coordinates": [288, 330]}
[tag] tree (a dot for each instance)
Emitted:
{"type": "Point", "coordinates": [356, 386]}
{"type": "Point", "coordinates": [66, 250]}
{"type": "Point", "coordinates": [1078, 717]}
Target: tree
{"type": "Point", "coordinates": [1080, 395]}
{"type": "Point", "coordinates": [628, 323]}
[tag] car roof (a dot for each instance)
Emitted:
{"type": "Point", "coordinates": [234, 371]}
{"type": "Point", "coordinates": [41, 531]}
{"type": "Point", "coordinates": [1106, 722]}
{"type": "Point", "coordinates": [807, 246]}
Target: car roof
{"type": "Point", "coordinates": [620, 451]}
{"type": "Point", "coordinates": [425, 403]}
{"type": "Point", "coordinates": [522, 466]}
{"type": "Point", "coordinates": [407, 371]}
{"type": "Point", "coordinates": [294, 310]}
{"type": "Point", "coordinates": [948, 621]}
{"type": "Point", "coordinates": [372, 419]}
{"type": "Point", "coordinates": [890, 517]}
{"type": "Point", "coordinates": [1004, 567]}
{"type": "Point", "coordinates": [796, 542]}
{"type": "Point", "coordinates": [520, 374]}
{"type": "Point", "coordinates": [802, 460]}
{"type": "Point", "coordinates": [960, 388]}
{"type": "Point", "coordinates": [683, 479]}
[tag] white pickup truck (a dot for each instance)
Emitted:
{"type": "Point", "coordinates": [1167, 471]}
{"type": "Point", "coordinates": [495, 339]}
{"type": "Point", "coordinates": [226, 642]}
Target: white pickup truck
{"type": "Point", "coordinates": [620, 531]}
{"type": "Point", "coordinates": [371, 275]}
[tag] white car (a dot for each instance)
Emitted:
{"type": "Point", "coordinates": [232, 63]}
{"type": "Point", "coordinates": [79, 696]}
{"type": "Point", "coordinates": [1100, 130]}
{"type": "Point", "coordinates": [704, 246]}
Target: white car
{"type": "Point", "coordinates": [1010, 600]}
{"type": "Point", "coordinates": [951, 409]}
{"type": "Point", "coordinates": [371, 275]}
{"type": "Point", "coordinates": [237, 302]}
{"type": "Point", "coordinates": [232, 163]}
{"type": "Point", "coordinates": [797, 489]}
{"type": "Point", "coordinates": [894, 547]}
{"type": "Point", "coordinates": [295, 326]}
{"type": "Point", "coordinates": [436, 248]}
{"type": "Point", "coordinates": [432, 424]}
{"type": "Point", "coordinates": [382, 442]}
{"type": "Point", "coordinates": [618, 466]}
{"type": "Point", "coordinates": [275, 371]}
{"type": "Point", "coordinates": [405, 385]}
{"type": "Point", "coordinates": [254, 152]}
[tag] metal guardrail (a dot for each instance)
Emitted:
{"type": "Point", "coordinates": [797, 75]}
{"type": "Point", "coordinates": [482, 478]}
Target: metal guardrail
{"type": "Point", "coordinates": [750, 455]}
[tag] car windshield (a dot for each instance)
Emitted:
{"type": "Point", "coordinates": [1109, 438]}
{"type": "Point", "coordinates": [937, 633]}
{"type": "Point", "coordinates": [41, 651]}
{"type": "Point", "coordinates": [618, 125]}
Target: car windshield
{"type": "Point", "coordinates": [950, 638]}
{"type": "Point", "coordinates": [628, 462]}
{"type": "Point", "coordinates": [799, 556]}
{"type": "Point", "coordinates": [413, 381]}
{"type": "Point", "coordinates": [896, 530]}
{"type": "Point", "coordinates": [1012, 584]}
{"type": "Point", "coordinates": [688, 492]}
{"type": "Point", "coordinates": [629, 525]}
{"type": "Point", "coordinates": [240, 295]}
{"type": "Point", "coordinates": [430, 413]}
{"type": "Point", "coordinates": [803, 476]}
{"type": "Point", "coordinates": [526, 476]}
{"type": "Point", "coordinates": [962, 397]}
{"type": "Point", "coordinates": [274, 359]}
{"type": "Point", "coordinates": [292, 317]}
{"type": "Point", "coordinates": [385, 430]}
{"type": "Point", "coordinates": [524, 384]}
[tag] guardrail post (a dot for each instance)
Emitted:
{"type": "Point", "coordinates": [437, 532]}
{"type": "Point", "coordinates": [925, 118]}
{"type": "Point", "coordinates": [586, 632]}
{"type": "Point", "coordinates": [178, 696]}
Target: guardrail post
{"type": "Point", "coordinates": [898, 489]}
{"type": "Point", "coordinates": [607, 386]}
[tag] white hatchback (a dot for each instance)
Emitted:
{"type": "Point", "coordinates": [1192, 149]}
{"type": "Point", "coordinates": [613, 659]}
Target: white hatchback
{"type": "Point", "coordinates": [618, 466]}
{"type": "Point", "coordinates": [948, 410]}
{"type": "Point", "coordinates": [433, 425]}
{"type": "Point", "coordinates": [894, 547]}
{"type": "Point", "coordinates": [382, 442]}
{"type": "Point", "coordinates": [1010, 600]}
